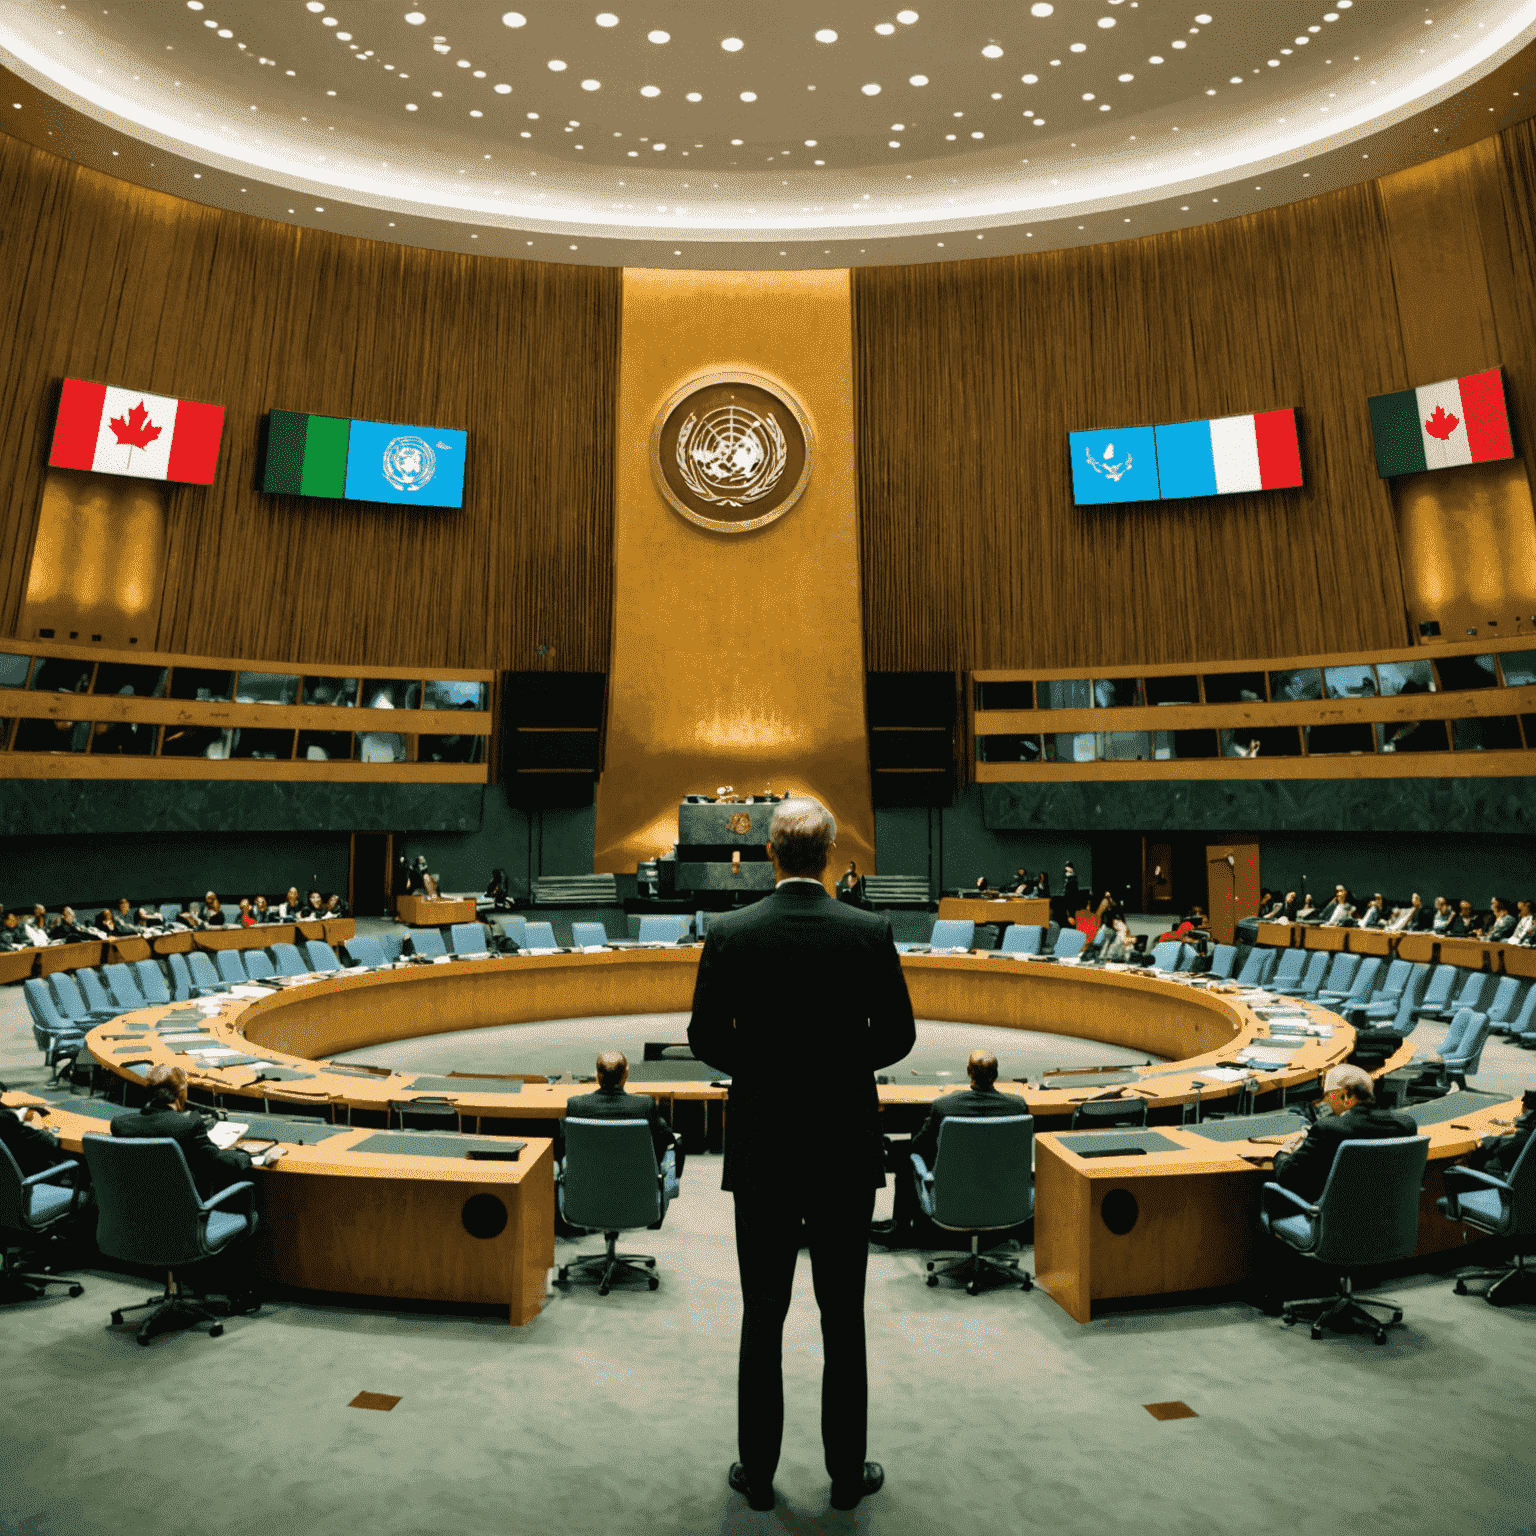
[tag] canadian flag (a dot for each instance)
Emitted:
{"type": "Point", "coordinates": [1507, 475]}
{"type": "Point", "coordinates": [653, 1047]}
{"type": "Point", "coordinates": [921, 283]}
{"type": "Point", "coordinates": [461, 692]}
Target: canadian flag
{"type": "Point", "coordinates": [127, 432]}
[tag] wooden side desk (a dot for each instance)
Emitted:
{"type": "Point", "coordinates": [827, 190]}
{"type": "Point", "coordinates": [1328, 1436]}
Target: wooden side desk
{"type": "Point", "coordinates": [1031, 910]}
{"type": "Point", "coordinates": [433, 911]}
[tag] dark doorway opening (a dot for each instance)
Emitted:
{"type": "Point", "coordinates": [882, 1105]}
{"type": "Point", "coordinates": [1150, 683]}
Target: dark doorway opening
{"type": "Point", "coordinates": [369, 876]}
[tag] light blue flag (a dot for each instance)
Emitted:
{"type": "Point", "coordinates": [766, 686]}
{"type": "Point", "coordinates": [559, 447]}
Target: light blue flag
{"type": "Point", "coordinates": [1114, 464]}
{"type": "Point", "coordinates": [416, 466]}
{"type": "Point", "coordinates": [1186, 463]}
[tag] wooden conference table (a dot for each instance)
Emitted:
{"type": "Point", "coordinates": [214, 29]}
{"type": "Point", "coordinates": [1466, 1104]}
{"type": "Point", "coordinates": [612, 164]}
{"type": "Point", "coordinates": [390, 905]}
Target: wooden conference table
{"type": "Point", "coordinates": [434, 911]}
{"type": "Point", "coordinates": [998, 910]}
{"type": "Point", "coordinates": [383, 1221]}
{"type": "Point", "coordinates": [1471, 954]}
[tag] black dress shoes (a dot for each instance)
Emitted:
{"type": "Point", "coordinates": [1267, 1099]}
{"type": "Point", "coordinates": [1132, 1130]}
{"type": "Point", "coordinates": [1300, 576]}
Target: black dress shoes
{"type": "Point", "coordinates": [757, 1498]}
{"type": "Point", "coordinates": [847, 1495]}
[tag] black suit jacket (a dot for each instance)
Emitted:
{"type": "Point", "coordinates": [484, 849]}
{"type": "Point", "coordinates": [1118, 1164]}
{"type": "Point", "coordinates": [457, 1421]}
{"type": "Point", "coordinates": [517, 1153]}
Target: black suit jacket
{"type": "Point", "coordinates": [34, 1150]}
{"type": "Point", "coordinates": [799, 985]}
{"type": "Point", "coordinates": [212, 1169]}
{"type": "Point", "coordinates": [1306, 1169]}
{"type": "Point", "coordinates": [1501, 928]}
{"type": "Point", "coordinates": [616, 1104]}
{"type": "Point", "coordinates": [968, 1102]}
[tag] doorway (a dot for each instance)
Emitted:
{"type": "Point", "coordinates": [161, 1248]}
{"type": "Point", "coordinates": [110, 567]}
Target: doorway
{"type": "Point", "coordinates": [368, 875]}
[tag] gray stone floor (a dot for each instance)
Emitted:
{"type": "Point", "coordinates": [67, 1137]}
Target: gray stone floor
{"type": "Point", "coordinates": [996, 1413]}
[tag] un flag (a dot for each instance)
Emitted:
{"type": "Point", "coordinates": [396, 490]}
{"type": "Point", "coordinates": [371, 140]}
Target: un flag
{"type": "Point", "coordinates": [419, 466]}
{"type": "Point", "coordinates": [1114, 464]}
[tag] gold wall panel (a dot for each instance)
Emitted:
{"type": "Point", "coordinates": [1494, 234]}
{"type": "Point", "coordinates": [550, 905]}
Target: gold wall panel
{"type": "Point", "coordinates": [737, 658]}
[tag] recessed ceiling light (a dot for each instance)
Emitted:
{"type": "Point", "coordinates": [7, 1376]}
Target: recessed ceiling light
{"type": "Point", "coordinates": [885, 28]}
{"type": "Point", "coordinates": [749, 95]}
{"type": "Point", "coordinates": [871, 89]}
{"type": "Point", "coordinates": [1126, 79]}
{"type": "Point", "coordinates": [225, 32]}
{"type": "Point", "coordinates": [1041, 9]}
{"type": "Point", "coordinates": [1203, 19]}
{"type": "Point", "coordinates": [906, 18]}
{"type": "Point", "coordinates": [810, 143]}
{"type": "Point", "coordinates": [694, 96]}
{"type": "Point", "coordinates": [325, 21]}
{"type": "Point", "coordinates": [826, 35]}
{"type": "Point", "coordinates": [1107, 22]}
{"type": "Point", "coordinates": [991, 51]}
{"type": "Point", "coordinates": [314, 7]}
{"type": "Point", "coordinates": [1156, 58]}
{"type": "Point", "coordinates": [1079, 48]}
{"type": "Point", "coordinates": [650, 90]}
{"type": "Point", "coordinates": [477, 114]}
{"type": "Point", "coordinates": [736, 141]}
{"type": "Point", "coordinates": [503, 90]}
{"type": "Point", "coordinates": [606, 19]}
{"type": "Point", "coordinates": [1029, 79]}
{"type": "Point", "coordinates": [658, 36]}
{"type": "Point", "coordinates": [732, 44]}
{"type": "Point", "coordinates": [557, 65]}
{"type": "Point", "coordinates": [513, 19]}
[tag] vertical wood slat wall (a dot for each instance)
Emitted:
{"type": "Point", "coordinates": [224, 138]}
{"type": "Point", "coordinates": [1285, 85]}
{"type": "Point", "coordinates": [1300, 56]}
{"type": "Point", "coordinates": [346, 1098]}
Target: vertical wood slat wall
{"type": "Point", "coordinates": [970, 376]}
{"type": "Point", "coordinates": [100, 279]}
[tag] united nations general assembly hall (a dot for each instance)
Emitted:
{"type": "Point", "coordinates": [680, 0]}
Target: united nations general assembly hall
{"type": "Point", "coordinates": [767, 768]}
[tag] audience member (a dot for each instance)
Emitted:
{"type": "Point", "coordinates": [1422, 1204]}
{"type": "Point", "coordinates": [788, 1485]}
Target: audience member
{"type": "Point", "coordinates": [1339, 910]}
{"type": "Point", "coordinates": [290, 907]}
{"type": "Point", "coordinates": [1410, 918]}
{"type": "Point", "coordinates": [69, 931]}
{"type": "Point", "coordinates": [1070, 893]}
{"type": "Point", "coordinates": [1466, 917]}
{"type": "Point", "coordinates": [261, 912]}
{"type": "Point", "coordinates": [106, 924]}
{"type": "Point", "coordinates": [126, 923]}
{"type": "Point", "coordinates": [148, 918]}
{"type": "Point", "coordinates": [1525, 928]}
{"type": "Point", "coordinates": [1307, 912]}
{"type": "Point", "coordinates": [190, 917]}
{"type": "Point", "coordinates": [335, 906]}
{"type": "Point", "coordinates": [1121, 948]}
{"type": "Point", "coordinates": [1305, 1161]}
{"type": "Point", "coordinates": [850, 887]}
{"type": "Point", "coordinates": [981, 1098]}
{"type": "Point", "coordinates": [36, 927]}
{"type": "Point", "coordinates": [213, 914]}
{"type": "Point", "coordinates": [1373, 914]}
{"type": "Point", "coordinates": [1020, 886]}
{"type": "Point", "coordinates": [313, 909]}
{"type": "Point", "coordinates": [612, 1102]}
{"type": "Point", "coordinates": [12, 934]}
{"type": "Point", "coordinates": [1501, 922]}
{"type": "Point", "coordinates": [983, 886]}
{"type": "Point", "coordinates": [1498, 1154]}
{"type": "Point", "coordinates": [35, 1150]}
{"type": "Point", "coordinates": [1446, 923]}
{"type": "Point", "coordinates": [247, 915]}
{"type": "Point", "coordinates": [167, 1114]}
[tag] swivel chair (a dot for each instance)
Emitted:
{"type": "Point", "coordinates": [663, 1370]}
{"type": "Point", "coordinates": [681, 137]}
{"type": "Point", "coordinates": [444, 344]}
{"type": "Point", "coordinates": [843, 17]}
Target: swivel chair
{"type": "Point", "coordinates": [1503, 1208]}
{"type": "Point", "coordinates": [59, 1039]}
{"type": "Point", "coordinates": [1367, 1215]}
{"type": "Point", "coordinates": [428, 942]}
{"type": "Point", "coordinates": [1522, 1028]}
{"type": "Point", "coordinates": [1508, 1002]}
{"type": "Point", "coordinates": [588, 935]}
{"type": "Point", "coordinates": [1223, 962]}
{"type": "Point", "coordinates": [258, 965]}
{"type": "Point", "coordinates": [1437, 992]}
{"type": "Point", "coordinates": [365, 951]}
{"type": "Point", "coordinates": [1460, 1053]}
{"type": "Point", "coordinates": [1339, 979]}
{"type": "Point", "coordinates": [1311, 978]}
{"type": "Point", "coordinates": [1021, 939]}
{"type": "Point", "coordinates": [468, 939]}
{"type": "Point", "coordinates": [1477, 988]}
{"type": "Point", "coordinates": [152, 985]}
{"type": "Point", "coordinates": [205, 980]}
{"type": "Point", "coordinates": [66, 993]}
{"type": "Point", "coordinates": [32, 1210]}
{"type": "Point", "coordinates": [320, 955]}
{"type": "Point", "coordinates": [1102, 1114]}
{"type": "Point", "coordinates": [1361, 989]}
{"type": "Point", "coordinates": [980, 1182]}
{"type": "Point", "coordinates": [181, 978]}
{"type": "Point", "coordinates": [1165, 956]}
{"type": "Point", "coordinates": [610, 1183]}
{"type": "Point", "coordinates": [150, 1214]}
{"type": "Point", "coordinates": [665, 929]}
{"type": "Point", "coordinates": [541, 936]}
{"type": "Point", "coordinates": [124, 987]}
{"type": "Point", "coordinates": [1288, 971]}
{"type": "Point", "coordinates": [1256, 968]}
{"type": "Point", "coordinates": [1069, 944]}
{"type": "Point", "coordinates": [392, 942]}
{"type": "Point", "coordinates": [231, 967]}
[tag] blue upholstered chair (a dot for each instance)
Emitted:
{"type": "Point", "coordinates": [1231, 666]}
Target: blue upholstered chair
{"type": "Point", "coordinates": [58, 1037]}
{"type": "Point", "coordinates": [1338, 979]}
{"type": "Point", "coordinates": [170, 911]}
{"type": "Point", "coordinates": [1458, 1057]}
{"type": "Point", "coordinates": [428, 942]}
{"type": "Point", "coordinates": [1069, 944]}
{"type": "Point", "coordinates": [1223, 961]}
{"type": "Point", "coordinates": [150, 1214]}
{"type": "Point", "coordinates": [468, 939]}
{"type": "Point", "coordinates": [610, 1183]}
{"type": "Point", "coordinates": [1474, 991]}
{"type": "Point", "coordinates": [32, 1210]}
{"type": "Point", "coordinates": [181, 978]}
{"type": "Point", "coordinates": [1311, 978]}
{"type": "Point", "coordinates": [952, 933]}
{"type": "Point", "coordinates": [206, 981]}
{"type": "Point", "coordinates": [1367, 1215]}
{"type": "Point", "coordinates": [1404, 978]}
{"type": "Point", "coordinates": [1505, 1007]}
{"type": "Point", "coordinates": [151, 983]}
{"type": "Point", "coordinates": [662, 929]}
{"type": "Point", "coordinates": [72, 1004]}
{"type": "Point", "coordinates": [1165, 956]}
{"type": "Point", "coordinates": [585, 935]}
{"type": "Point", "coordinates": [366, 951]}
{"type": "Point", "coordinates": [1502, 1208]}
{"type": "Point", "coordinates": [321, 956]}
{"type": "Point", "coordinates": [1437, 992]}
{"type": "Point", "coordinates": [97, 998]}
{"type": "Point", "coordinates": [124, 987]}
{"type": "Point", "coordinates": [232, 967]}
{"type": "Point", "coordinates": [1022, 939]}
{"type": "Point", "coordinates": [1360, 990]}
{"type": "Point", "coordinates": [980, 1182]}
{"type": "Point", "coordinates": [1288, 971]}
{"type": "Point", "coordinates": [392, 942]}
{"type": "Point", "coordinates": [1522, 1028]}
{"type": "Point", "coordinates": [537, 936]}
{"type": "Point", "coordinates": [289, 961]}
{"type": "Point", "coordinates": [1258, 967]}
{"type": "Point", "coordinates": [258, 965]}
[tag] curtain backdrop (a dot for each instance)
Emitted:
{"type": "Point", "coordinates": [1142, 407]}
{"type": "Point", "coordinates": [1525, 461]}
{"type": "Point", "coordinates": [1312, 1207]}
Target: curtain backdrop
{"type": "Point", "coordinates": [103, 280]}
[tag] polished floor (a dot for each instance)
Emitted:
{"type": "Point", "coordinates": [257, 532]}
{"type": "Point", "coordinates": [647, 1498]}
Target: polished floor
{"type": "Point", "coordinates": [616, 1414]}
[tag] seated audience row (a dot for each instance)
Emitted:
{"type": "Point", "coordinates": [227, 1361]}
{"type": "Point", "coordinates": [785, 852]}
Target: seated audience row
{"type": "Point", "coordinates": [37, 929]}
{"type": "Point", "coordinates": [1503, 921]}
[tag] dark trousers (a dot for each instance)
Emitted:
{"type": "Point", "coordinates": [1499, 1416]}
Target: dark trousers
{"type": "Point", "coordinates": [770, 1229]}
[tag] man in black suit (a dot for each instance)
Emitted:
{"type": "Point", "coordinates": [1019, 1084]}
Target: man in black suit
{"type": "Point", "coordinates": [166, 1114]}
{"type": "Point", "coordinates": [981, 1098]}
{"type": "Point", "coordinates": [1304, 1163]}
{"type": "Point", "coordinates": [796, 983]}
{"type": "Point", "coordinates": [35, 1151]}
{"type": "Point", "coordinates": [611, 1102]}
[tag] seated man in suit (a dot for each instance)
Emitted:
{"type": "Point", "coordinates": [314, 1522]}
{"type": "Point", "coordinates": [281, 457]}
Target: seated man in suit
{"type": "Point", "coordinates": [36, 926]}
{"type": "Point", "coordinates": [611, 1102]}
{"type": "Point", "coordinates": [1501, 923]}
{"type": "Point", "coordinates": [1303, 1164]}
{"type": "Point", "coordinates": [70, 930]}
{"type": "Point", "coordinates": [166, 1114]}
{"type": "Point", "coordinates": [981, 1098]}
{"type": "Point", "coordinates": [35, 1150]}
{"type": "Point", "coordinates": [1445, 923]}
{"type": "Point", "coordinates": [12, 934]}
{"type": "Point", "coordinates": [1374, 913]}
{"type": "Point", "coordinates": [1467, 916]}
{"type": "Point", "coordinates": [1499, 1154]}
{"type": "Point", "coordinates": [123, 918]}
{"type": "Point", "coordinates": [1307, 911]}
{"type": "Point", "coordinates": [1405, 919]}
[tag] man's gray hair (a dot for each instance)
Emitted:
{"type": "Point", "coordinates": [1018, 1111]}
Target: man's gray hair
{"type": "Point", "coordinates": [802, 831]}
{"type": "Point", "coordinates": [1354, 1081]}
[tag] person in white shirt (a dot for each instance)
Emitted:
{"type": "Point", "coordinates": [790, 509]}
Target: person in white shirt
{"type": "Point", "coordinates": [1373, 914]}
{"type": "Point", "coordinates": [1525, 928]}
{"type": "Point", "coordinates": [1405, 918]}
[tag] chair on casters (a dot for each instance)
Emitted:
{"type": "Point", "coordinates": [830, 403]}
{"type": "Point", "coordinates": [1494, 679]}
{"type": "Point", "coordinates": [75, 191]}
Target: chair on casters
{"type": "Point", "coordinates": [1460, 1054]}
{"type": "Point", "coordinates": [1102, 1114]}
{"type": "Point", "coordinates": [1367, 1214]}
{"type": "Point", "coordinates": [1504, 1208]}
{"type": "Point", "coordinates": [980, 1182]}
{"type": "Point", "coordinates": [30, 1211]}
{"type": "Point", "coordinates": [150, 1213]}
{"type": "Point", "coordinates": [151, 983]}
{"type": "Point", "coordinates": [610, 1183]}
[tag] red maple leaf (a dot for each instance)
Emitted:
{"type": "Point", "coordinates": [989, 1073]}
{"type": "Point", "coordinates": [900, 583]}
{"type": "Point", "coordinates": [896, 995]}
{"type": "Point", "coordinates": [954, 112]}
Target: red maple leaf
{"type": "Point", "coordinates": [138, 431]}
{"type": "Point", "coordinates": [1440, 425]}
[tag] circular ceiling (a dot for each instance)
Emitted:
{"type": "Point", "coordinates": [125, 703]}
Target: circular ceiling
{"type": "Point", "coordinates": [702, 133]}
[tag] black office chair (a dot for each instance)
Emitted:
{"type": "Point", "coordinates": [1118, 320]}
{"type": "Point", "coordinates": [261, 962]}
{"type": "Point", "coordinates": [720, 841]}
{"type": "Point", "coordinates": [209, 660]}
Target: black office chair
{"type": "Point", "coordinates": [1102, 1114]}
{"type": "Point", "coordinates": [1367, 1214]}
{"type": "Point", "coordinates": [610, 1183]}
{"type": "Point", "coordinates": [150, 1213]}
{"type": "Point", "coordinates": [1504, 1208]}
{"type": "Point", "coordinates": [981, 1182]}
{"type": "Point", "coordinates": [33, 1213]}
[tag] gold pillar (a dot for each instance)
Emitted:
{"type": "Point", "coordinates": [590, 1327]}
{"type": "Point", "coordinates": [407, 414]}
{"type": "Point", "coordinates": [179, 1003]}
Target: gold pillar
{"type": "Point", "coordinates": [737, 658]}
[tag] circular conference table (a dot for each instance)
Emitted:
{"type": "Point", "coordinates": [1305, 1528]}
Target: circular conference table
{"type": "Point", "coordinates": [354, 1206]}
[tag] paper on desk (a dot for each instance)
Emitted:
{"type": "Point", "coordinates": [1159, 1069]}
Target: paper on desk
{"type": "Point", "coordinates": [593, 949]}
{"type": "Point", "coordinates": [247, 992]}
{"type": "Point", "coordinates": [226, 1133]}
{"type": "Point", "coordinates": [1222, 1075]}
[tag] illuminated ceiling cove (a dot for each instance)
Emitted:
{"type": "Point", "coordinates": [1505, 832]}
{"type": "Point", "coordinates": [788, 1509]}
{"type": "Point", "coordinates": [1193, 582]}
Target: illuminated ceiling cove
{"type": "Point", "coordinates": [709, 133]}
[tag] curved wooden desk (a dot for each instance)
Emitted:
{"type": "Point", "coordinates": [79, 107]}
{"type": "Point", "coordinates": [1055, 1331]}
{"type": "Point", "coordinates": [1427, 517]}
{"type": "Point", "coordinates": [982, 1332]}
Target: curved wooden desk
{"type": "Point", "coordinates": [1196, 1228]}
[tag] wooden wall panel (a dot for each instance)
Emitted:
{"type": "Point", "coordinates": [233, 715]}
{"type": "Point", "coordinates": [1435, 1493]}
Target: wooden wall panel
{"type": "Point", "coordinates": [101, 279]}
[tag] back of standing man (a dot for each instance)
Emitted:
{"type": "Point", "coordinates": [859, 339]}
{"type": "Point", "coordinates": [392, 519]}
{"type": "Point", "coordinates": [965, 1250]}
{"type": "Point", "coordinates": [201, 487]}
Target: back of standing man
{"type": "Point", "coordinates": [799, 984]}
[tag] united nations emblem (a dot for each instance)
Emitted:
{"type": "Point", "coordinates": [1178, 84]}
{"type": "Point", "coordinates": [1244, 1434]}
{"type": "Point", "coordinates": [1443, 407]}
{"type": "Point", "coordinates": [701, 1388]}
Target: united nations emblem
{"type": "Point", "coordinates": [740, 823]}
{"type": "Point", "coordinates": [732, 451]}
{"type": "Point", "coordinates": [409, 463]}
